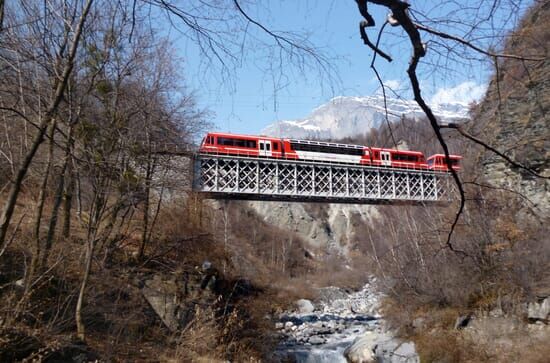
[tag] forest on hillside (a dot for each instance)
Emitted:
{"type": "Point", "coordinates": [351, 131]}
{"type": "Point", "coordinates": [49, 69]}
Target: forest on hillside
{"type": "Point", "coordinates": [97, 215]}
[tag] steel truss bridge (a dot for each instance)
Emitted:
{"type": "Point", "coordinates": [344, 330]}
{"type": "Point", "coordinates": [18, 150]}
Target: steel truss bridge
{"type": "Point", "coordinates": [232, 177]}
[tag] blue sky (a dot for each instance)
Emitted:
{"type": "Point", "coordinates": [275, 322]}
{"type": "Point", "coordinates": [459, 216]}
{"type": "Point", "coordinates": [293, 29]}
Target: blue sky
{"type": "Point", "coordinates": [252, 97]}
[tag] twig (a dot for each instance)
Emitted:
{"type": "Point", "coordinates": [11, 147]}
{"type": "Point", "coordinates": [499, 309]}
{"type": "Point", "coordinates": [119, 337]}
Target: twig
{"type": "Point", "coordinates": [475, 47]}
{"type": "Point", "coordinates": [7, 244]}
{"type": "Point", "coordinates": [368, 22]}
{"type": "Point", "coordinates": [401, 17]}
{"type": "Point", "coordinates": [382, 84]}
{"type": "Point", "coordinates": [489, 147]}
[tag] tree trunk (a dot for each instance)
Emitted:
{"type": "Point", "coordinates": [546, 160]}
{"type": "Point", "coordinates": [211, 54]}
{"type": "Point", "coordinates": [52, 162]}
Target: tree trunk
{"type": "Point", "coordinates": [57, 202]}
{"type": "Point", "coordinates": [39, 209]}
{"type": "Point", "coordinates": [9, 205]}
{"type": "Point", "coordinates": [68, 201]}
{"type": "Point", "coordinates": [69, 187]}
{"type": "Point", "coordinates": [80, 328]}
{"type": "Point", "coordinates": [148, 179]}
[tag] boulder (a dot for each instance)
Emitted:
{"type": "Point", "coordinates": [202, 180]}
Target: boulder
{"type": "Point", "coordinates": [161, 295]}
{"type": "Point", "coordinates": [174, 297]}
{"type": "Point", "coordinates": [316, 340]}
{"type": "Point", "coordinates": [539, 311]}
{"type": "Point", "coordinates": [289, 325]}
{"type": "Point", "coordinates": [305, 306]}
{"type": "Point", "coordinates": [396, 351]}
{"type": "Point", "coordinates": [362, 349]}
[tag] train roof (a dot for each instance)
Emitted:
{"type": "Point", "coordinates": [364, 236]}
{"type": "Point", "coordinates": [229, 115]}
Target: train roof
{"type": "Point", "coordinates": [398, 151]}
{"type": "Point", "coordinates": [443, 155]}
{"type": "Point", "coordinates": [217, 133]}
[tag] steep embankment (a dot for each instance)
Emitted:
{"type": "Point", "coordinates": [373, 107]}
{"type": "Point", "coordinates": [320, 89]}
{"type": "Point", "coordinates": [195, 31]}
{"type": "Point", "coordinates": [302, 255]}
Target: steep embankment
{"type": "Point", "coordinates": [330, 228]}
{"type": "Point", "coordinates": [514, 115]}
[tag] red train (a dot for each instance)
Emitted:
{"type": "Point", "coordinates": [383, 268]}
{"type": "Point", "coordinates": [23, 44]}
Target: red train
{"type": "Point", "coordinates": [271, 147]}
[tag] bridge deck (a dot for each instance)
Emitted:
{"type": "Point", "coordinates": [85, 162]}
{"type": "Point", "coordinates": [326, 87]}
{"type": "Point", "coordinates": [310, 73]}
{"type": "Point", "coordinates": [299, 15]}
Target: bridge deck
{"type": "Point", "coordinates": [232, 177]}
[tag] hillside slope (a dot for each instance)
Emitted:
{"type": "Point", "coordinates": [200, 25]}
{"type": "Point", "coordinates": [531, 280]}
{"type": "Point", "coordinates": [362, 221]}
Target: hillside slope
{"type": "Point", "coordinates": [514, 115]}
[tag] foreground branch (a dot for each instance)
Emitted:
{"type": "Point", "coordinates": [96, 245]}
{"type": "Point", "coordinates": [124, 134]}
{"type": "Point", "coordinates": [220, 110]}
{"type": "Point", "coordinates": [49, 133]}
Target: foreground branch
{"type": "Point", "coordinates": [489, 147]}
{"type": "Point", "coordinates": [400, 16]}
{"type": "Point", "coordinates": [475, 47]}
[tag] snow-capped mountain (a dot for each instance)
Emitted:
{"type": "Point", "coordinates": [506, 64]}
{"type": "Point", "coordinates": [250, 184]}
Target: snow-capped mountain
{"type": "Point", "coordinates": [351, 116]}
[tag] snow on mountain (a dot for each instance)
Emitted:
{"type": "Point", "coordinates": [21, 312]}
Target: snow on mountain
{"type": "Point", "coordinates": [351, 116]}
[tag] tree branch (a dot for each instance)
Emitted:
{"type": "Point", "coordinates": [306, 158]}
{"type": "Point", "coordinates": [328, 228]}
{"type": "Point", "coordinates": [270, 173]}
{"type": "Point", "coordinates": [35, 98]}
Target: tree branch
{"type": "Point", "coordinates": [368, 22]}
{"type": "Point", "coordinates": [489, 147]}
{"type": "Point", "coordinates": [475, 47]}
{"type": "Point", "coordinates": [400, 16]}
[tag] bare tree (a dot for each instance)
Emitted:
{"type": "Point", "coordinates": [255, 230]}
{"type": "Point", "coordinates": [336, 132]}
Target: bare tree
{"type": "Point", "coordinates": [402, 15]}
{"type": "Point", "coordinates": [65, 65]}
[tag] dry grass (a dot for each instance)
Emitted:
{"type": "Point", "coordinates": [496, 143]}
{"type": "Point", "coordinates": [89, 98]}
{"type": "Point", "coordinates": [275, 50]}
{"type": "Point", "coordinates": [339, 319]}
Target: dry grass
{"type": "Point", "coordinates": [117, 317]}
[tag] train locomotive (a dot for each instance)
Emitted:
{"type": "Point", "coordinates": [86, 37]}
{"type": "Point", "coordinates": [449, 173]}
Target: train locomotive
{"type": "Point", "coordinates": [306, 150]}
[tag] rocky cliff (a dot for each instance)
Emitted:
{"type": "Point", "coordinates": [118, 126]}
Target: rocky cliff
{"type": "Point", "coordinates": [330, 227]}
{"type": "Point", "coordinates": [514, 115]}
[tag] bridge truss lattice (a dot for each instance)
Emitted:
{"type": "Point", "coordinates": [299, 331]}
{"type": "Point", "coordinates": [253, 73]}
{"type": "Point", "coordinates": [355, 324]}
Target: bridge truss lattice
{"type": "Point", "coordinates": [231, 177]}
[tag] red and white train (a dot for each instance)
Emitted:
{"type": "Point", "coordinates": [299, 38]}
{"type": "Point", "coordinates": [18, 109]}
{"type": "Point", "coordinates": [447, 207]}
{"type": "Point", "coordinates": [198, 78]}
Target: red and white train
{"type": "Point", "coordinates": [277, 148]}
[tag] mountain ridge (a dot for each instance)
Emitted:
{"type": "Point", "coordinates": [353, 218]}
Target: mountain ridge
{"type": "Point", "coordinates": [345, 116]}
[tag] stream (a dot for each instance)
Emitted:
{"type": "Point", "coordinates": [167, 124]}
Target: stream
{"type": "Point", "coordinates": [341, 323]}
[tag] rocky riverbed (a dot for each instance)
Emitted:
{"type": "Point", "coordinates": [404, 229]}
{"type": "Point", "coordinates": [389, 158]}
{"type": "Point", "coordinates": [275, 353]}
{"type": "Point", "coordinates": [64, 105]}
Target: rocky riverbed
{"type": "Point", "coordinates": [342, 326]}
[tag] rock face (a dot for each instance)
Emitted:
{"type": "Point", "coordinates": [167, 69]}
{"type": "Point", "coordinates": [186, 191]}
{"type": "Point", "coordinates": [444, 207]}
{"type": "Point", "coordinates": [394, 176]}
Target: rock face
{"type": "Point", "coordinates": [174, 297]}
{"type": "Point", "coordinates": [514, 116]}
{"type": "Point", "coordinates": [396, 351]}
{"type": "Point", "coordinates": [381, 348]}
{"type": "Point", "coordinates": [362, 349]}
{"type": "Point", "coordinates": [539, 311]}
{"type": "Point", "coordinates": [331, 227]}
{"type": "Point", "coordinates": [305, 306]}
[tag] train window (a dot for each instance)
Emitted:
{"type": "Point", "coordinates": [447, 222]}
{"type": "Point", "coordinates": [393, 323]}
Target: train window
{"type": "Point", "coordinates": [275, 146]}
{"type": "Point", "coordinates": [261, 145]}
{"type": "Point", "coordinates": [430, 162]}
{"type": "Point", "coordinates": [376, 154]}
{"type": "Point", "coordinates": [225, 141]}
{"type": "Point", "coordinates": [404, 157]}
{"type": "Point", "coordinates": [236, 142]}
{"type": "Point", "coordinates": [326, 149]}
{"type": "Point", "coordinates": [268, 147]}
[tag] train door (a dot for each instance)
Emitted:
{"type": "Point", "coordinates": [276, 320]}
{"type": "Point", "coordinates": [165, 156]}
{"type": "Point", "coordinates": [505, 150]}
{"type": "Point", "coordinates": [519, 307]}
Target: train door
{"type": "Point", "coordinates": [265, 147]}
{"type": "Point", "coordinates": [385, 159]}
